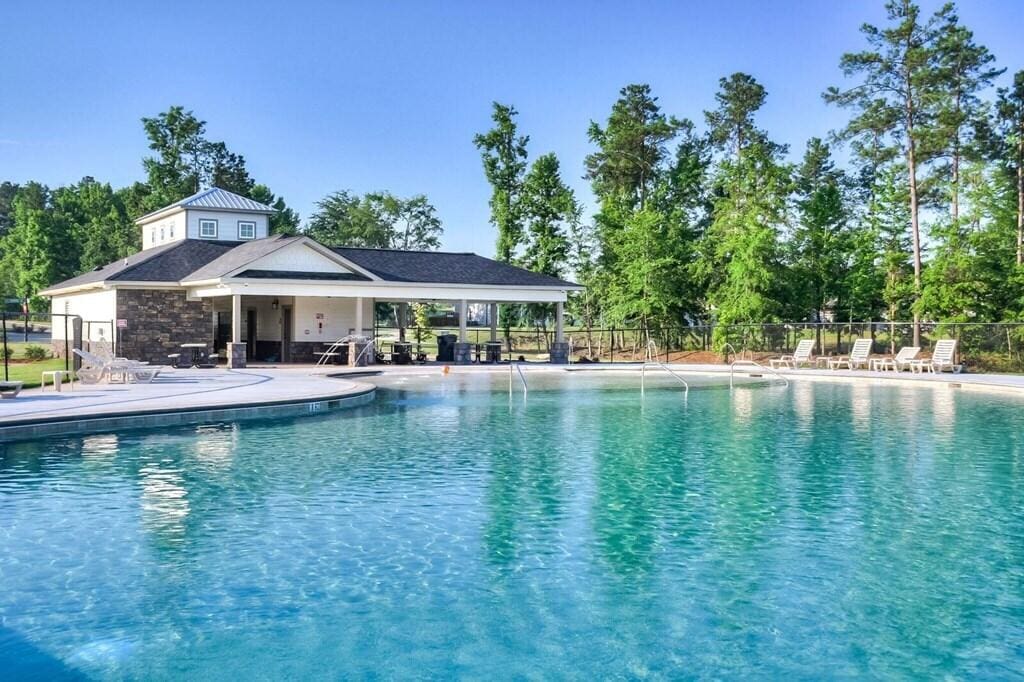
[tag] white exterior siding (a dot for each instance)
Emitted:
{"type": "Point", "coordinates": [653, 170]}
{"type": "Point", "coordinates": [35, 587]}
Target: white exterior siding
{"type": "Point", "coordinates": [163, 230]}
{"type": "Point", "coordinates": [97, 307]}
{"type": "Point", "coordinates": [227, 224]}
{"type": "Point", "coordinates": [339, 318]}
{"type": "Point", "coordinates": [297, 258]}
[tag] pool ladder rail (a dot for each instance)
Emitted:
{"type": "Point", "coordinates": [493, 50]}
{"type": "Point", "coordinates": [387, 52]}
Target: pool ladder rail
{"type": "Point", "coordinates": [522, 378]}
{"type": "Point", "coordinates": [755, 366]}
{"type": "Point", "coordinates": [652, 361]}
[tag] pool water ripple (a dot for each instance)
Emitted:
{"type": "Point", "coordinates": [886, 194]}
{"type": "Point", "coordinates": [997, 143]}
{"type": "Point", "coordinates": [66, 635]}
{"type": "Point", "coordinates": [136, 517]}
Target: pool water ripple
{"type": "Point", "coordinates": [446, 530]}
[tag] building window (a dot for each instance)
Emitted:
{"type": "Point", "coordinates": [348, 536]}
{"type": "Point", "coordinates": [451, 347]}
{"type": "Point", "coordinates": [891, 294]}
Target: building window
{"type": "Point", "coordinates": [152, 235]}
{"type": "Point", "coordinates": [208, 229]}
{"type": "Point", "coordinates": [161, 234]}
{"type": "Point", "coordinates": [171, 230]}
{"type": "Point", "coordinates": [246, 230]}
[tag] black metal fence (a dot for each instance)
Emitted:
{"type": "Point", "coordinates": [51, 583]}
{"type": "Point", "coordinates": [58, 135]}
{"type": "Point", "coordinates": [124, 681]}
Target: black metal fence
{"type": "Point", "coordinates": [31, 341]}
{"type": "Point", "coordinates": [36, 342]}
{"type": "Point", "coordinates": [986, 347]}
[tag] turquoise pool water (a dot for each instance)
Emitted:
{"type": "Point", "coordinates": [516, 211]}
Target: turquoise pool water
{"type": "Point", "coordinates": [824, 530]}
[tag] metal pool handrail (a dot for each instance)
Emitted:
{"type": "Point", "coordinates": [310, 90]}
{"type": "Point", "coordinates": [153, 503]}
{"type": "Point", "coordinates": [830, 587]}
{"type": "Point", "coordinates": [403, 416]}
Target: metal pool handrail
{"type": "Point", "coordinates": [643, 377]}
{"type": "Point", "coordinates": [521, 378]}
{"type": "Point", "coordinates": [759, 366]}
{"type": "Point", "coordinates": [657, 363]}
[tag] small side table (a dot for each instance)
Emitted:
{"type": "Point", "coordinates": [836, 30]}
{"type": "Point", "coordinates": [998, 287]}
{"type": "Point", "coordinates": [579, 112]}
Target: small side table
{"type": "Point", "coordinates": [882, 364]}
{"type": "Point", "coordinates": [57, 377]}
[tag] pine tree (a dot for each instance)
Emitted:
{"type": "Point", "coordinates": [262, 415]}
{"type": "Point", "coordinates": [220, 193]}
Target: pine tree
{"type": "Point", "coordinates": [1010, 117]}
{"type": "Point", "coordinates": [741, 256]}
{"type": "Point", "coordinates": [821, 243]}
{"type": "Point", "coordinates": [285, 220]}
{"type": "Point", "coordinates": [504, 156]}
{"type": "Point", "coordinates": [897, 94]}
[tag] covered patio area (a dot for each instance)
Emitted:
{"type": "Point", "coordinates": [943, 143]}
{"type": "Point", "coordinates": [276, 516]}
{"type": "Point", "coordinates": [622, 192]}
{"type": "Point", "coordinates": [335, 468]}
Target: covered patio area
{"type": "Point", "coordinates": [285, 322]}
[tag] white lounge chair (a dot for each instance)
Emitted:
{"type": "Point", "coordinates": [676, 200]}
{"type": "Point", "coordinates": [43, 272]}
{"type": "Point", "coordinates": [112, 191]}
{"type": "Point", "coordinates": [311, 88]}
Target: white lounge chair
{"type": "Point", "coordinates": [10, 389]}
{"type": "Point", "coordinates": [95, 368]}
{"type": "Point", "coordinates": [801, 356]}
{"type": "Point", "coordinates": [859, 356]}
{"type": "Point", "coordinates": [904, 359]}
{"type": "Point", "coordinates": [941, 360]}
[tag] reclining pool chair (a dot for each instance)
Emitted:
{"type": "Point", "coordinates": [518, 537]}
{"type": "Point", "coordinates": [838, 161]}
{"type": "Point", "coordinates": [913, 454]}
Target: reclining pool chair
{"type": "Point", "coordinates": [94, 368]}
{"type": "Point", "coordinates": [800, 356]}
{"type": "Point", "coordinates": [941, 360]}
{"type": "Point", "coordinates": [10, 389]}
{"type": "Point", "coordinates": [859, 356]}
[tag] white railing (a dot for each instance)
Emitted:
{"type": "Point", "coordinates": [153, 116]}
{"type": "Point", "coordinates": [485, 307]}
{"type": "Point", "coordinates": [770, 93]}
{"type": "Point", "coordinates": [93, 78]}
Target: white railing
{"type": "Point", "coordinates": [759, 367]}
{"type": "Point", "coordinates": [332, 350]}
{"type": "Point", "coordinates": [654, 362]}
{"type": "Point", "coordinates": [521, 378]}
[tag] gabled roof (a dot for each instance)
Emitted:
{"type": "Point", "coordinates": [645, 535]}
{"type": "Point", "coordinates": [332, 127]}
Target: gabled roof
{"type": "Point", "coordinates": [238, 257]}
{"type": "Point", "coordinates": [168, 263]}
{"type": "Point", "coordinates": [215, 199]}
{"type": "Point", "coordinates": [440, 267]}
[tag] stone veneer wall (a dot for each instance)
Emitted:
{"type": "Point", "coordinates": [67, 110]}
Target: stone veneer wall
{"type": "Point", "coordinates": [159, 321]}
{"type": "Point", "coordinates": [306, 351]}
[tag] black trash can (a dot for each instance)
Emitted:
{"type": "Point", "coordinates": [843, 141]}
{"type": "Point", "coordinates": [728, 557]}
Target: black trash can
{"type": "Point", "coordinates": [446, 347]}
{"type": "Point", "coordinates": [401, 353]}
{"type": "Point", "coordinates": [493, 351]}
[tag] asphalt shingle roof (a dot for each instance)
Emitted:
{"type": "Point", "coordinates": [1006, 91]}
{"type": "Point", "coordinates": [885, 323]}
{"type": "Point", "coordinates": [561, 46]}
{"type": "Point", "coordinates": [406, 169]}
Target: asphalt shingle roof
{"type": "Point", "coordinates": [166, 263]}
{"type": "Point", "coordinates": [201, 259]}
{"type": "Point", "coordinates": [440, 267]}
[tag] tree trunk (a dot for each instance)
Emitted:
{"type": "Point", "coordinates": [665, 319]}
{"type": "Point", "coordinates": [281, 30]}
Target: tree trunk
{"type": "Point", "coordinates": [1020, 202]}
{"type": "Point", "coordinates": [915, 233]}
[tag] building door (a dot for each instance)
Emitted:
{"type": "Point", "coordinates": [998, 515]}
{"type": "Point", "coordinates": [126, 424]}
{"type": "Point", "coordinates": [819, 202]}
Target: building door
{"type": "Point", "coordinates": [250, 334]}
{"type": "Point", "coordinates": [286, 334]}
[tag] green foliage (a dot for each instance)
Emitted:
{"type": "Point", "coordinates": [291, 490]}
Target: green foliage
{"type": "Point", "coordinates": [285, 221]}
{"type": "Point", "coordinates": [35, 353]}
{"type": "Point", "coordinates": [888, 218]}
{"type": "Point", "coordinates": [421, 322]}
{"type": "Point", "coordinates": [549, 208]}
{"type": "Point", "coordinates": [186, 162]}
{"type": "Point", "coordinates": [503, 152]}
{"type": "Point", "coordinates": [36, 246]}
{"type": "Point", "coordinates": [821, 245]}
{"type": "Point", "coordinates": [97, 221]}
{"type": "Point", "coordinates": [742, 253]}
{"type": "Point", "coordinates": [631, 147]}
{"type": "Point", "coordinates": [376, 220]}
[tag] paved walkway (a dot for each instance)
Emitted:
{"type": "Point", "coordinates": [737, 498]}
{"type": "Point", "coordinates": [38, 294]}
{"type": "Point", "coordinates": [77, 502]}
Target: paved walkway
{"type": "Point", "coordinates": [179, 389]}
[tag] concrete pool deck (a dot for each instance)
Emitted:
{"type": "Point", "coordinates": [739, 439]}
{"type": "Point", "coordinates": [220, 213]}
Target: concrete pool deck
{"type": "Point", "coordinates": [178, 396]}
{"type": "Point", "coordinates": [185, 396]}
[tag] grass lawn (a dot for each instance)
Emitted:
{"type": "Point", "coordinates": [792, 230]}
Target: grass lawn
{"type": "Point", "coordinates": [29, 372]}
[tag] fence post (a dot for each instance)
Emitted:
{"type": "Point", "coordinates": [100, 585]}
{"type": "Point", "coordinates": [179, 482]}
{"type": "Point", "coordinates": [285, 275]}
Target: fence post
{"type": "Point", "coordinates": [6, 350]}
{"type": "Point", "coordinates": [67, 345]}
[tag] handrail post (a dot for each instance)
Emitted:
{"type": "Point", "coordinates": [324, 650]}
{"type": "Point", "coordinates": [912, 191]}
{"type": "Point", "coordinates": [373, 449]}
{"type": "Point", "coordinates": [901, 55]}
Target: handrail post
{"type": "Point", "coordinates": [6, 349]}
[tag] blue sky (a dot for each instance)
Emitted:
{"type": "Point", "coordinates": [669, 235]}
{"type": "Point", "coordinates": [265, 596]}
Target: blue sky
{"type": "Point", "coordinates": [321, 96]}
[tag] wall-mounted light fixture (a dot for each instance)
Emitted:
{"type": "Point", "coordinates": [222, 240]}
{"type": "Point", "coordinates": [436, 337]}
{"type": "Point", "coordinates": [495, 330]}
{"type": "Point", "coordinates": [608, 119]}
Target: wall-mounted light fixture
{"type": "Point", "coordinates": [274, 304]}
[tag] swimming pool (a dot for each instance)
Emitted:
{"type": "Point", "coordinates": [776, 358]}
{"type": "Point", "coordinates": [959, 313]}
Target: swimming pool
{"type": "Point", "coordinates": [821, 529]}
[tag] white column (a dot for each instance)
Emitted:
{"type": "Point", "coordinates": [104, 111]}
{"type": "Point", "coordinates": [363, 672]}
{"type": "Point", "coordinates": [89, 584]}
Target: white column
{"type": "Point", "coordinates": [559, 322]}
{"type": "Point", "coordinates": [463, 310]}
{"type": "Point", "coordinates": [359, 316]}
{"type": "Point", "coordinates": [236, 319]}
{"type": "Point", "coordinates": [493, 314]}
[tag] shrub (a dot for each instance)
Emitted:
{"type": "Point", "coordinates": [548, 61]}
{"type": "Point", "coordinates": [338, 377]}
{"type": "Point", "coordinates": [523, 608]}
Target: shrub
{"type": "Point", "coordinates": [36, 353]}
